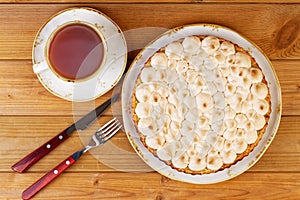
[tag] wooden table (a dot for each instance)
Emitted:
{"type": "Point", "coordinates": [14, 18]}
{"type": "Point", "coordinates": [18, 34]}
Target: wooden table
{"type": "Point", "coordinates": [30, 115]}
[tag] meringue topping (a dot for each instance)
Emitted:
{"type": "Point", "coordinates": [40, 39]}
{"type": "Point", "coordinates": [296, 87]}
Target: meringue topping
{"type": "Point", "coordinates": [197, 164]}
{"type": "Point", "coordinates": [148, 75]}
{"type": "Point", "coordinates": [159, 61]}
{"type": "Point", "coordinates": [228, 157]}
{"type": "Point", "coordinates": [143, 110]}
{"type": "Point", "coordinates": [250, 136]}
{"type": "Point", "coordinates": [227, 48]}
{"type": "Point", "coordinates": [259, 121]}
{"type": "Point", "coordinates": [200, 103]}
{"type": "Point", "coordinates": [174, 50]}
{"type": "Point", "coordinates": [167, 152]}
{"type": "Point", "coordinates": [143, 92]}
{"type": "Point", "coordinates": [147, 126]}
{"type": "Point", "coordinates": [241, 120]}
{"type": "Point", "coordinates": [182, 67]}
{"type": "Point", "coordinates": [210, 44]}
{"type": "Point", "coordinates": [214, 162]}
{"type": "Point", "coordinates": [181, 160]}
{"type": "Point", "coordinates": [230, 124]}
{"type": "Point", "coordinates": [261, 106]}
{"type": "Point", "coordinates": [191, 44]}
{"type": "Point", "coordinates": [239, 145]}
{"type": "Point", "coordinates": [204, 102]}
{"type": "Point", "coordinates": [259, 90]}
{"type": "Point", "coordinates": [155, 141]}
{"type": "Point", "coordinates": [242, 60]}
{"type": "Point", "coordinates": [219, 100]}
{"type": "Point", "coordinates": [230, 59]}
{"type": "Point", "coordinates": [255, 75]}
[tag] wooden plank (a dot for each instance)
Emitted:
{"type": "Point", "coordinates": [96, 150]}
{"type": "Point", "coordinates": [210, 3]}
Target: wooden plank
{"type": "Point", "coordinates": [146, 186]}
{"type": "Point", "coordinates": [152, 1]}
{"type": "Point", "coordinates": [273, 27]}
{"type": "Point", "coordinates": [290, 85]}
{"type": "Point", "coordinates": [22, 94]}
{"type": "Point", "coordinates": [20, 135]}
{"type": "Point", "coordinates": [30, 115]}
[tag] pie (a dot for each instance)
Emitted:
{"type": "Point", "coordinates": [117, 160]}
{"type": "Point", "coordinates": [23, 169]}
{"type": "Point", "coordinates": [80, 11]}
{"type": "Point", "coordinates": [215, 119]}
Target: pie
{"type": "Point", "coordinates": [201, 104]}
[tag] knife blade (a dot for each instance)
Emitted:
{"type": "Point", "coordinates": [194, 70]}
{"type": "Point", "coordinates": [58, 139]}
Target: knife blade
{"type": "Point", "coordinates": [26, 162]}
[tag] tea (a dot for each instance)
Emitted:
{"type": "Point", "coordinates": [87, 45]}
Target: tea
{"type": "Point", "coordinates": [76, 51]}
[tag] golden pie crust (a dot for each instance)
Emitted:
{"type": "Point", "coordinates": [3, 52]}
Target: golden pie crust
{"type": "Point", "coordinates": [240, 156]}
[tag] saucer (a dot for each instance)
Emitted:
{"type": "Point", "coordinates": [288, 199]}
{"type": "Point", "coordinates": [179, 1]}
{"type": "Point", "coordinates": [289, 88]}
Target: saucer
{"type": "Point", "coordinates": [104, 79]}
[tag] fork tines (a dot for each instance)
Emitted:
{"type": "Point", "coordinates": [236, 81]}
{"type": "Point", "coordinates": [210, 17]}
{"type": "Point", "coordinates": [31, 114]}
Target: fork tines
{"type": "Point", "coordinates": [108, 130]}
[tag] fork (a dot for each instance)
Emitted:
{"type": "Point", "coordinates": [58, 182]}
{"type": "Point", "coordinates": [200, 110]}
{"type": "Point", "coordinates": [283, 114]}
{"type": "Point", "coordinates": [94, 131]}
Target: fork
{"type": "Point", "coordinates": [101, 136]}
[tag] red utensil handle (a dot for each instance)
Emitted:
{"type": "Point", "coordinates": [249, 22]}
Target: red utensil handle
{"type": "Point", "coordinates": [40, 152]}
{"type": "Point", "coordinates": [47, 178]}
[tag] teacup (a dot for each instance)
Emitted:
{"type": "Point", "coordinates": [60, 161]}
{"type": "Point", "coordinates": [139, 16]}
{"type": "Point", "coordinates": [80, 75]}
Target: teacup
{"type": "Point", "coordinates": [74, 51]}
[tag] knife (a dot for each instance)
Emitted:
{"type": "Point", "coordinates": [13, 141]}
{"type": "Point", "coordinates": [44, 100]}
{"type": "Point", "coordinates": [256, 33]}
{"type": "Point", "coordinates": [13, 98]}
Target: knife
{"type": "Point", "coordinates": [81, 124]}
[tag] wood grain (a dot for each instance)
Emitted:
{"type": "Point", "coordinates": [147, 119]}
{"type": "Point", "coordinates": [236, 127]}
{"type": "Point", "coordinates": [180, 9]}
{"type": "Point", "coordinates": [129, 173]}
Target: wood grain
{"type": "Point", "coordinates": [22, 94]}
{"type": "Point", "coordinates": [153, 186]}
{"type": "Point", "coordinates": [273, 27]}
{"type": "Point", "coordinates": [30, 115]}
{"type": "Point", "coordinates": [153, 1]}
{"type": "Point", "coordinates": [27, 133]}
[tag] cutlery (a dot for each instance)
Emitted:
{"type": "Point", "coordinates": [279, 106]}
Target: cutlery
{"type": "Point", "coordinates": [101, 136]}
{"type": "Point", "coordinates": [25, 163]}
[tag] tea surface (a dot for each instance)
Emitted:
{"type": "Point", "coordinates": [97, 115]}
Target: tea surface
{"type": "Point", "coordinates": [76, 51]}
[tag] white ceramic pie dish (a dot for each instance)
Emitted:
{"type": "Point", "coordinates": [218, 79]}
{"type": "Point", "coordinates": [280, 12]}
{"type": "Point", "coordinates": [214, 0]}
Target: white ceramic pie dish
{"type": "Point", "coordinates": [174, 35]}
